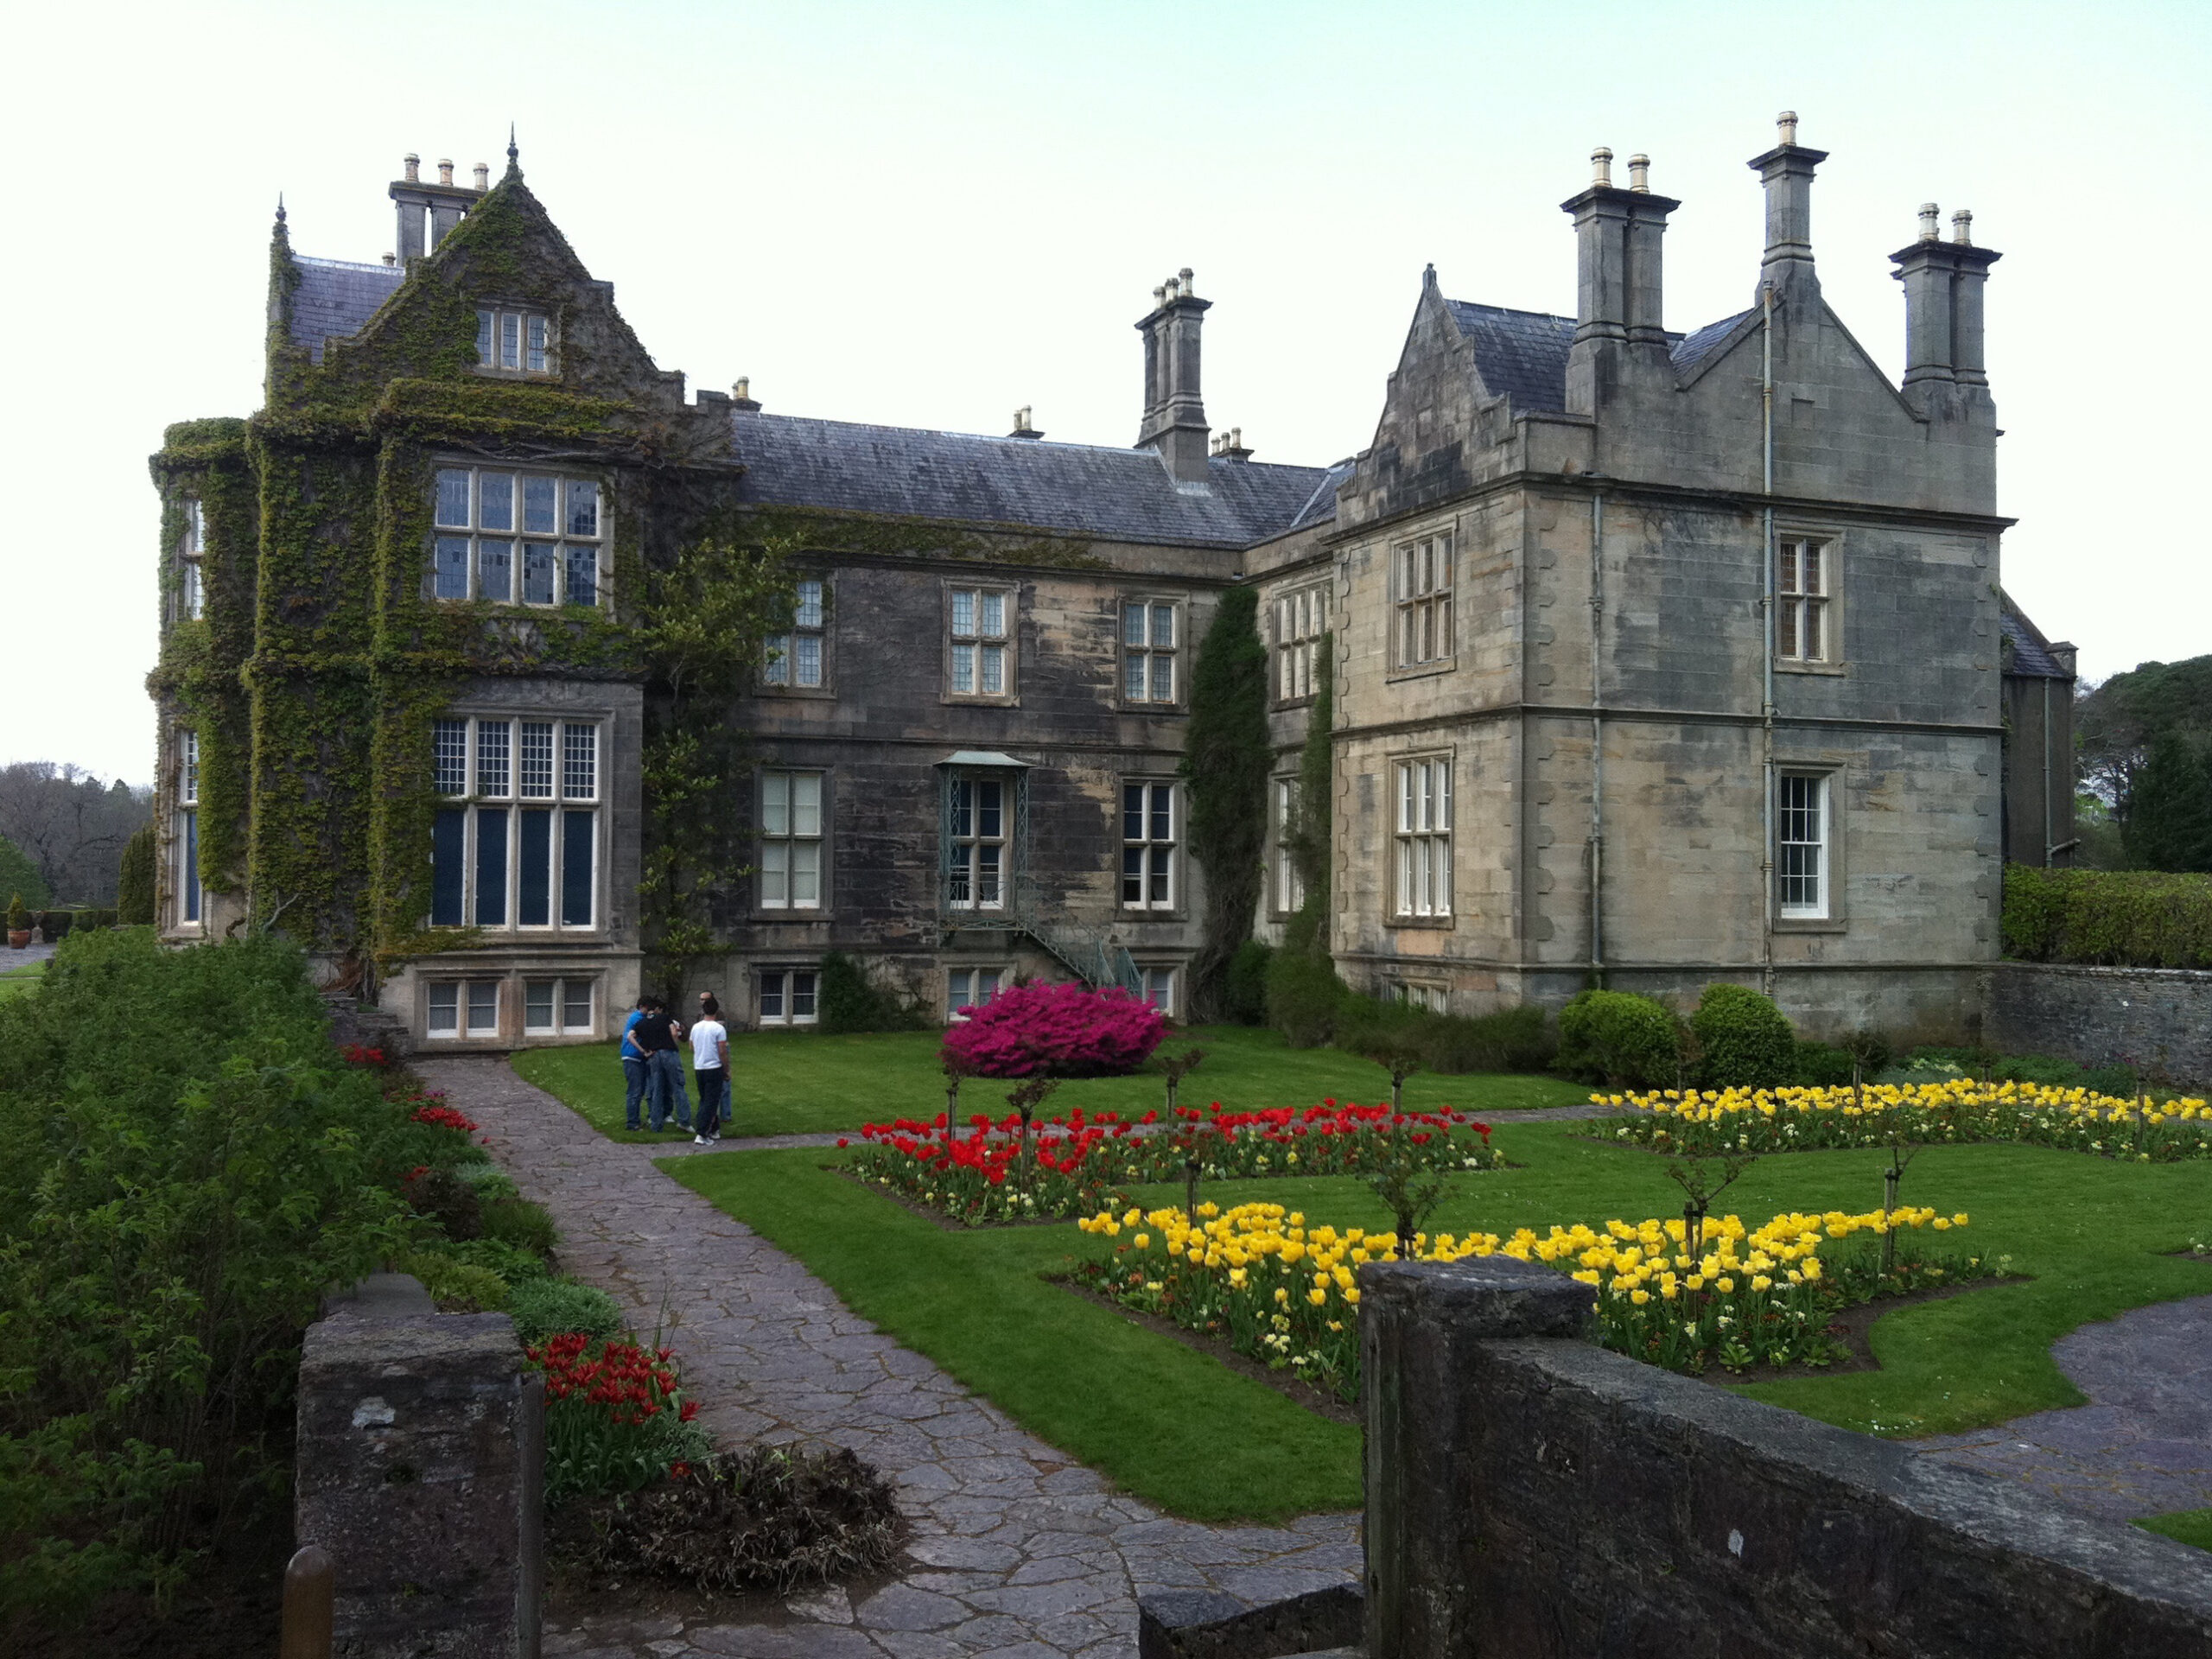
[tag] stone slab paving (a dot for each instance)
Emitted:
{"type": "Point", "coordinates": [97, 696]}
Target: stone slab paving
{"type": "Point", "coordinates": [1017, 1552]}
{"type": "Point", "coordinates": [2142, 1446]}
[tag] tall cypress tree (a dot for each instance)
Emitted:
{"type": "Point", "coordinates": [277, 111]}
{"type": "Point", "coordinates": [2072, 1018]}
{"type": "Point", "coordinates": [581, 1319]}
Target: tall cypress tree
{"type": "Point", "coordinates": [2169, 825]}
{"type": "Point", "coordinates": [1226, 759]}
{"type": "Point", "coordinates": [1311, 827]}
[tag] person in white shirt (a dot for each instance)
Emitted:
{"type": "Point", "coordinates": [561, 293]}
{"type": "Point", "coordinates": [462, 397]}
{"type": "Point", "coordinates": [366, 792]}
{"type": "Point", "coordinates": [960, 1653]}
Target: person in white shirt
{"type": "Point", "coordinates": [710, 1062]}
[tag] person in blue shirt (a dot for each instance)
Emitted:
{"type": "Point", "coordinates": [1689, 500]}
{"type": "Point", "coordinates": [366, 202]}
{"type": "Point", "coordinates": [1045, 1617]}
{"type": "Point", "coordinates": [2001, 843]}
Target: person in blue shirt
{"type": "Point", "coordinates": [633, 1067]}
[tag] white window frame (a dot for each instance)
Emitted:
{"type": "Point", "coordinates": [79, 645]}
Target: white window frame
{"type": "Point", "coordinates": [467, 540]}
{"type": "Point", "coordinates": [967, 858]}
{"type": "Point", "coordinates": [1804, 835]}
{"type": "Point", "coordinates": [1804, 595]}
{"type": "Point", "coordinates": [977, 650]}
{"type": "Point", "coordinates": [1150, 859]}
{"type": "Point", "coordinates": [191, 575]}
{"type": "Point", "coordinates": [466, 1003]}
{"type": "Point", "coordinates": [781, 985]}
{"type": "Point", "coordinates": [787, 837]}
{"type": "Point", "coordinates": [1421, 812]}
{"type": "Point", "coordinates": [1422, 993]}
{"type": "Point", "coordinates": [968, 987]}
{"type": "Point", "coordinates": [498, 780]}
{"type": "Point", "coordinates": [516, 339]}
{"type": "Point", "coordinates": [559, 1021]}
{"type": "Point", "coordinates": [1289, 885]}
{"type": "Point", "coordinates": [191, 896]}
{"type": "Point", "coordinates": [797, 658]}
{"type": "Point", "coordinates": [1161, 983]}
{"type": "Point", "coordinates": [1301, 617]}
{"type": "Point", "coordinates": [1421, 575]}
{"type": "Point", "coordinates": [1151, 674]}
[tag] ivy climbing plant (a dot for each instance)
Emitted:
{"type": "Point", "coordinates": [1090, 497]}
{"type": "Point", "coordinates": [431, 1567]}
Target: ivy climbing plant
{"type": "Point", "coordinates": [1226, 757]}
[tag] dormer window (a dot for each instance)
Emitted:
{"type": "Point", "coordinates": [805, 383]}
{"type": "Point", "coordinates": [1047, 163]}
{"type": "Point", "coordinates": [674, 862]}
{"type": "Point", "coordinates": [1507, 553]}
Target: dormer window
{"type": "Point", "coordinates": [518, 341]}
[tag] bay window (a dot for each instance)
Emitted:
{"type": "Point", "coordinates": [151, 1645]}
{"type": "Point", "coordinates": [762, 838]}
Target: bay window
{"type": "Point", "coordinates": [518, 538]}
{"type": "Point", "coordinates": [516, 842]}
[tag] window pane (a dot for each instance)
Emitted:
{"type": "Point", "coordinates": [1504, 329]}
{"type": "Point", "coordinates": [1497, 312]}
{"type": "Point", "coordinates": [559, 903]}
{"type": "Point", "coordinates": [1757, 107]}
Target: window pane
{"type": "Point", "coordinates": [776, 802]}
{"type": "Point", "coordinates": [583, 574]}
{"type": "Point", "coordinates": [538, 759]}
{"type": "Point", "coordinates": [580, 763]}
{"type": "Point", "coordinates": [483, 1007]}
{"type": "Point", "coordinates": [994, 669]}
{"type": "Point", "coordinates": [492, 770]}
{"type": "Point", "coordinates": [809, 605]}
{"type": "Point", "coordinates": [576, 840]}
{"type": "Point", "coordinates": [777, 669]}
{"type": "Point", "coordinates": [495, 571]}
{"type": "Point", "coordinates": [963, 668]}
{"type": "Point", "coordinates": [775, 874]}
{"type": "Point", "coordinates": [1815, 630]}
{"type": "Point", "coordinates": [448, 847]}
{"type": "Point", "coordinates": [1785, 644]}
{"type": "Point", "coordinates": [194, 595]}
{"type": "Point", "coordinates": [188, 787]}
{"type": "Point", "coordinates": [1443, 875]}
{"type": "Point", "coordinates": [449, 756]}
{"type": "Point", "coordinates": [1444, 795]}
{"type": "Point", "coordinates": [987, 873]}
{"type": "Point", "coordinates": [537, 512]}
{"type": "Point", "coordinates": [536, 361]}
{"type": "Point", "coordinates": [1785, 577]}
{"type": "Point", "coordinates": [1133, 812]}
{"type": "Point", "coordinates": [1163, 861]}
{"type": "Point", "coordinates": [806, 803]}
{"type": "Point", "coordinates": [492, 867]}
{"type": "Point", "coordinates": [450, 568]}
{"type": "Point", "coordinates": [537, 573]}
{"type": "Point", "coordinates": [453, 498]}
{"type": "Point", "coordinates": [484, 325]}
{"type": "Point", "coordinates": [802, 995]}
{"type": "Point", "coordinates": [810, 658]}
{"type": "Point", "coordinates": [534, 867]}
{"type": "Point", "coordinates": [1813, 569]}
{"type": "Point", "coordinates": [1132, 677]}
{"type": "Point", "coordinates": [771, 996]}
{"type": "Point", "coordinates": [1163, 679]}
{"type": "Point", "coordinates": [964, 611]}
{"type": "Point", "coordinates": [189, 830]}
{"type": "Point", "coordinates": [576, 1005]}
{"type": "Point", "coordinates": [495, 501]}
{"type": "Point", "coordinates": [445, 1010]}
{"type": "Point", "coordinates": [509, 341]}
{"type": "Point", "coordinates": [955, 986]}
{"type": "Point", "coordinates": [1163, 812]}
{"type": "Point", "coordinates": [583, 507]}
{"type": "Point", "coordinates": [538, 1005]}
{"type": "Point", "coordinates": [1132, 875]}
{"type": "Point", "coordinates": [993, 619]}
{"type": "Point", "coordinates": [1163, 626]}
{"type": "Point", "coordinates": [806, 873]}
{"type": "Point", "coordinates": [1404, 799]}
{"type": "Point", "coordinates": [987, 810]}
{"type": "Point", "coordinates": [1133, 625]}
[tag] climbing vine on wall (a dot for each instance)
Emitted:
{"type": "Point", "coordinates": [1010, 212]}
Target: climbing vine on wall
{"type": "Point", "coordinates": [1226, 759]}
{"type": "Point", "coordinates": [1312, 820]}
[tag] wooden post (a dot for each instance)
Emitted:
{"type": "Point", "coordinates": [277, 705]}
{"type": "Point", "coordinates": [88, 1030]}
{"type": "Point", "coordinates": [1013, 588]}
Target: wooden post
{"type": "Point", "coordinates": [310, 1603]}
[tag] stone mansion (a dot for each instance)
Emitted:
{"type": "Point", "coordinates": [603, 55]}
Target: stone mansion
{"type": "Point", "coordinates": [1658, 657]}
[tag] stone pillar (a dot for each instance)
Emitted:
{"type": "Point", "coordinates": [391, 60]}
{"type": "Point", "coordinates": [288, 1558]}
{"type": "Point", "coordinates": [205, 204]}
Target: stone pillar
{"type": "Point", "coordinates": [420, 1469]}
{"type": "Point", "coordinates": [1417, 1321]}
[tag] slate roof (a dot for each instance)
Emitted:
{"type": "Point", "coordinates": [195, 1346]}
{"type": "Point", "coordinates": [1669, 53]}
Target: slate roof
{"type": "Point", "coordinates": [2030, 657]}
{"type": "Point", "coordinates": [335, 297]}
{"type": "Point", "coordinates": [1521, 355]}
{"type": "Point", "coordinates": [1115, 494]}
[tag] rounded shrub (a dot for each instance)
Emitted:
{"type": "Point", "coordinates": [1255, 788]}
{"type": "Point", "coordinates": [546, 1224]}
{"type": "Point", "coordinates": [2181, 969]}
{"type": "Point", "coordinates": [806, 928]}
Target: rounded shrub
{"type": "Point", "coordinates": [1744, 1041]}
{"type": "Point", "coordinates": [1055, 1031]}
{"type": "Point", "coordinates": [1244, 987]}
{"type": "Point", "coordinates": [1305, 997]}
{"type": "Point", "coordinates": [544, 1307]}
{"type": "Point", "coordinates": [1619, 1037]}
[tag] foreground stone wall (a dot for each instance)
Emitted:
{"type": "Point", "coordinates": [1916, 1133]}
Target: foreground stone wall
{"type": "Point", "coordinates": [1533, 1496]}
{"type": "Point", "coordinates": [2158, 1020]}
{"type": "Point", "coordinates": [420, 1469]}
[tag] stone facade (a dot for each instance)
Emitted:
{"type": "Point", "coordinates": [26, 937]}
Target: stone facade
{"type": "Point", "coordinates": [1659, 658]}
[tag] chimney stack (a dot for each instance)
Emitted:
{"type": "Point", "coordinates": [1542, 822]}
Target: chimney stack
{"type": "Point", "coordinates": [1787, 172]}
{"type": "Point", "coordinates": [1619, 290]}
{"type": "Point", "coordinates": [1943, 283]}
{"type": "Point", "coordinates": [1022, 426]}
{"type": "Point", "coordinates": [1174, 411]}
{"type": "Point", "coordinates": [483, 171]}
{"type": "Point", "coordinates": [742, 395]}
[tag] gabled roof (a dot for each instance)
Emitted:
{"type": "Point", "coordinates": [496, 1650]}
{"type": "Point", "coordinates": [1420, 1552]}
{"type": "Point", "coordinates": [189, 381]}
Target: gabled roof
{"type": "Point", "coordinates": [335, 297]}
{"type": "Point", "coordinates": [2031, 657]}
{"type": "Point", "coordinates": [1115, 494]}
{"type": "Point", "coordinates": [1521, 355]}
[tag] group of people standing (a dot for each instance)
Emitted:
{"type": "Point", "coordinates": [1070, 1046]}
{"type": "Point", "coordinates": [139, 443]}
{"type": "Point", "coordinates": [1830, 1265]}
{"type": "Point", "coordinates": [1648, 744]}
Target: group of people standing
{"type": "Point", "coordinates": [652, 1067]}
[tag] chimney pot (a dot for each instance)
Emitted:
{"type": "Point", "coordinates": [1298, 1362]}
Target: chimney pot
{"type": "Point", "coordinates": [1930, 230]}
{"type": "Point", "coordinates": [1639, 173]}
{"type": "Point", "coordinates": [445, 170]}
{"type": "Point", "coordinates": [1159, 296]}
{"type": "Point", "coordinates": [413, 164]}
{"type": "Point", "coordinates": [483, 176]}
{"type": "Point", "coordinates": [743, 387]}
{"type": "Point", "coordinates": [1601, 168]}
{"type": "Point", "coordinates": [1962, 228]}
{"type": "Point", "coordinates": [392, 258]}
{"type": "Point", "coordinates": [1785, 127]}
{"type": "Point", "coordinates": [1183, 285]}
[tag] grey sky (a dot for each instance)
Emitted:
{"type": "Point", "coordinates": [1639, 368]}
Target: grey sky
{"type": "Point", "coordinates": [931, 215]}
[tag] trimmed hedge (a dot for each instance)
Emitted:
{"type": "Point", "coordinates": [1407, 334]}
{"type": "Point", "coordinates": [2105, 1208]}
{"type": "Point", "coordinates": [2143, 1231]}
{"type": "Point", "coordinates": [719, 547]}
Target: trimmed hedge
{"type": "Point", "coordinates": [2118, 919]}
{"type": "Point", "coordinates": [1619, 1037]}
{"type": "Point", "coordinates": [1743, 1041]}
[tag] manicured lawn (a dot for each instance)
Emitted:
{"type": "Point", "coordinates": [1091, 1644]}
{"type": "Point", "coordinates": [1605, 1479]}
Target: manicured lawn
{"type": "Point", "coordinates": [1188, 1435]}
{"type": "Point", "coordinates": [789, 1083]}
{"type": "Point", "coordinates": [16, 981]}
{"type": "Point", "coordinates": [2190, 1526]}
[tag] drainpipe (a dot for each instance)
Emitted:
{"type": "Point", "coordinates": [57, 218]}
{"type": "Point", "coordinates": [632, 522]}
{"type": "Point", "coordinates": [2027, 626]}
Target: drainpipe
{"type": "Point", "coordinates": [1597, 742]}
{"type": "Point", "coordinates": [1767, 607]}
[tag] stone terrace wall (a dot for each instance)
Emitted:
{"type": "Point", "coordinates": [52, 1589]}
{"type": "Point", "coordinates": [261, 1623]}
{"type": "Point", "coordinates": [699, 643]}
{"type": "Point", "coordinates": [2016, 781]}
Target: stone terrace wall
{"type": "Point", "coordinates": [1536, 1497]}
{"type": "Point", "coordinates": [2158, 1019]}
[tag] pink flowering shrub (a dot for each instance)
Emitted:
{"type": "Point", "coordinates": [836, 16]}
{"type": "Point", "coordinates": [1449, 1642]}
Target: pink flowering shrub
{"type": "Point", "coordinates": [1062, 1031]}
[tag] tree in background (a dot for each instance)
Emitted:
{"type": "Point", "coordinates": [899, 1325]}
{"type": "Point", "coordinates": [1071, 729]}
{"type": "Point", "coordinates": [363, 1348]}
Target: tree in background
{"type": "Point", "coordinates": [19, 875]}
{"type": "Point", "coordinates": [2117, 722]}
{"type": "Point", "coordinates": [71, 826]}
{"type": "Point", "coordinates": [1226, 759]}
{"type": "Point", "coordinates": [2168, 824]}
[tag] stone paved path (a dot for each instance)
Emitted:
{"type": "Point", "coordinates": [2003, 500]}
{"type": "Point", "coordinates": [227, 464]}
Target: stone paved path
{"type": "Point", "coordinates": [2142, 1446]}
{"type": "Point", "coordinates": [1016, 1553]}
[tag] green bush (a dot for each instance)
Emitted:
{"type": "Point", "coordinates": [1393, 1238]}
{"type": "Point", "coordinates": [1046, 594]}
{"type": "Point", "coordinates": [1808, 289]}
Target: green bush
{"type": "Point", "coordinates": [1511, 1039]}
{"type": "Point", "coordinates": [1305, 997]}
{"type": "Point", "coordinates": [1244, 987]}
{"type": "Point", "coordinates": [486, 1179]}
{"type": "Point", "coordinates": [849, 1001]}
{"type": "Point", "coordinates": [1620, 1039]}
{"type": "Point", "coordinates": [2129, 918]}
{"type": "Point", "coordinates": [519, 1222]}
{"type": "Point", "coordinates": [18, 875]}
{"type": "Point", "coordinates": [1820, 1065]}
{"type": "Point", "coordinates": [457, 1286]}
{"type": "Point", "coordinates": [1743, 1041]}
{"type": "Point", "coordinates": [540, 1307]}
{"type": "Point", "coordinates": [511, 1262]}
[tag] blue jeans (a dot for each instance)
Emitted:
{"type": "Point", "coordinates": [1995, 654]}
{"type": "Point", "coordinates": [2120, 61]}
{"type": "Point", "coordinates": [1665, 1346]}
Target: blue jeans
{"type": "Point", "coordinates": [670, 1096]}
{"type": "Point", "coordinates": [634, 1081]}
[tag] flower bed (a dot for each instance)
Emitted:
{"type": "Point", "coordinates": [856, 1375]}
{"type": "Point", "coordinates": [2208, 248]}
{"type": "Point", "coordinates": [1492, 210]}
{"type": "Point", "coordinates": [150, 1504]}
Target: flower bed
{"type": "Point", "coordinates": [1285, 1293]}
{"type": "Point", "coordinates": [1960, 1110]}
{"type": "Point", "coordinates": [614, 1417]}
{"type": "Point", "coordinates": [1076, 1165]}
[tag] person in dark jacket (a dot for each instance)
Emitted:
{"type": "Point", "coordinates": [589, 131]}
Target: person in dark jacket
{"type": "Point", "coordinates": [657, 1034]}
